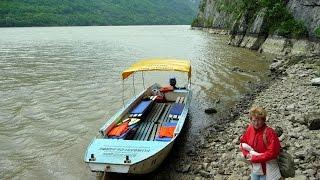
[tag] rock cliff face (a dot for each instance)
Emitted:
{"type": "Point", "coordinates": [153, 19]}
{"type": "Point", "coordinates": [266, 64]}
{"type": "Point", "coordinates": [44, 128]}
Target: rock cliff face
{"type": "Point", "coordinates": [210, 17]}
{"type": "Point", "coordinates": [252, 32]}
{"type": "Point", "coordinates": [307, 11]}
{"type": "Point", "coordinates": [283, 46]}
{"type": "Point", "coordinates": [248, 35]}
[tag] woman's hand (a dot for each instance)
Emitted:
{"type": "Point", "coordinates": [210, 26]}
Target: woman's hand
{"type": "Point", "coordinates": [249, 156]}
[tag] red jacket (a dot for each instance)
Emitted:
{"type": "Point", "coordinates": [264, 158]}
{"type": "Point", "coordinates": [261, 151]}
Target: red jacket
{"type": "Point", "coordinates": [254, 138]}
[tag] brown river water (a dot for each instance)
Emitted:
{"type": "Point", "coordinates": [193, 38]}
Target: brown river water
{"type": "Point", "coordinates": [58, 85]}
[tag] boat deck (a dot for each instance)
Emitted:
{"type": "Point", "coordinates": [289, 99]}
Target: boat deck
{"type": "Point", "coordinates": [149, 127]}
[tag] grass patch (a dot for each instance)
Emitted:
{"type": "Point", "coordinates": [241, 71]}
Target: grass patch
{"type": "Point", "coordinates": [317, 32]}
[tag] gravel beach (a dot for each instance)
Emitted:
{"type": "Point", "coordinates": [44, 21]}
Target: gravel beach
{"type": "Point", "coordinates": [293, 106]}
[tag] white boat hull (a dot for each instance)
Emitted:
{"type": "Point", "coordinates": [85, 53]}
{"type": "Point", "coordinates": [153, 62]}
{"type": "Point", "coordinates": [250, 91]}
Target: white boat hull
{"type": "Point", "coordinates": [143, 167]}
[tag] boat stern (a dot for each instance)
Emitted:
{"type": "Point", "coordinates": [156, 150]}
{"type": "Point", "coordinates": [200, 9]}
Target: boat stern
{"type": "Point", "coordinates": [125, 156]}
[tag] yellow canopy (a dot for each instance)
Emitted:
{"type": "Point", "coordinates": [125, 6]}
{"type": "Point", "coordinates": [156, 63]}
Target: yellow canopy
{"type": "Point", "coordinates": [158, 65]}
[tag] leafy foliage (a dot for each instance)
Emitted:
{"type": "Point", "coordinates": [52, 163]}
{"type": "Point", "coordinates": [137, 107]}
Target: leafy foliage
{"type": "Point", "coordinates": [317, 32]}
{"type": "Point", "coordinates": [280, 21]}
{"type": "Point", "coordinates": [197, 22]}
{"type": "Point", "coordinates": [95, 12]}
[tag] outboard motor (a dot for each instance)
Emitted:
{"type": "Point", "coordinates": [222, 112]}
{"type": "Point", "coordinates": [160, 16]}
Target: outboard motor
{"type": "Point", "coordinates": [173, 82]}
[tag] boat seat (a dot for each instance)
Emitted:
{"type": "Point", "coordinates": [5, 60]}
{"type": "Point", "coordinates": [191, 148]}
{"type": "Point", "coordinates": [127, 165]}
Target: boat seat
{"type": "Point", "coordinates": [176, 110]}
{"type": "Point", "coordinates": [142, 108]}
{"type": "Point", "coordinates": [180, 99]}
{"type": "Point", "coordinates": [166, 131]}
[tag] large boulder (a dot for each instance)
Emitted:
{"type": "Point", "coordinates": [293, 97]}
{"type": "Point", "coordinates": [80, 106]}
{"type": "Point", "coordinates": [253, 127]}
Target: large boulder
{"type": "Point", "coordinates": [275, 45]}
{"type": "Point", "coordinates": [314, 124]}
{"type": "Point", "coordinates": [304, 48]}
{"type": "Point", "coordinates": [315, 81]}
{"type": "Point", "coordinates": [300, 177]}
{"type": "Point", "coordinates": [313, 120]}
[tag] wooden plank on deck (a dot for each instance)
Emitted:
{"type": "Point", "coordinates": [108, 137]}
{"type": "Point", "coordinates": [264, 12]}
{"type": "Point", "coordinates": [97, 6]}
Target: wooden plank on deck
{"type": "Point", "coordinates": [147, 131]}
{"type": "Point", "coordinates": [154, 132]}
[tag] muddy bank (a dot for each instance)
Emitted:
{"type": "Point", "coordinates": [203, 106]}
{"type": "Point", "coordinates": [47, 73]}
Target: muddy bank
{"type": "Point", "coordinates": [293, 104]}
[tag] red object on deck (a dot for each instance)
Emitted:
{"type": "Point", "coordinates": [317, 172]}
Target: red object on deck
{"type": "Point", "coordinates": [119, 130]}
{"type": "Point", "coordinates": [166, 89]}
{"type": "Point", "coordinates": [166, 131]}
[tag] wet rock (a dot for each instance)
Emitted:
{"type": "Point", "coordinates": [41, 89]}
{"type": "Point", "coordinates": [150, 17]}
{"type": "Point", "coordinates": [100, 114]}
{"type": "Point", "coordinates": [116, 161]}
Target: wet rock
{"type": "Point", "coordinates": [300, 177]}
{"type": "Point", "coordinates": [235, 177]}
{"type": "Point", "coordinates": [293, 135]}
{"type": "Point", "coordinates": [290, 107]}
{"type": "Point", "coordinates": [217, 101]}
{"type": "Point", "coordinates": [210, 111]}
{"type": "Point", "coordinates": [221, 170]}
{"type": "Point", "coordinates": [214, 164]}
{"type": "Point", "coordinates": [297, 144]}
{"type": "Point", "coordinates": [218, 177]}
{"type": "Point", "coordinates": [315, 82]}
{"type": "Point", "coordinates": [237, 69]}
{"type": "Point", "coordinates": [286, 113]}
{"type": "Point", "coordinates": [297, 119]}
{"type": "Point", "coordinates": [183, 168]}
{"type": "Point", "coordinates": [314, 124]}
{"type": "Point", "coordinates": [236, 141]}
{"type": "Point", "coordinates": [310, 172]}
{"type": "Point", "coordinates": [300, 154]}
{"type": "Point", "coordinates": [191, 152]}
{"type": "Point", "coordinates": [279, 130]}
{"type": "Point", "coordinates": [204, 174]}
{"type": "Point", "coordinates": [204, 166]}
{"type": "Point", "coordinates": [275, 66]}
{"type": "Point", "coordinates": [313, 151]}
{"type": "Point", "coordinates": [298, 129]}
{"type": "Point", "coordinates": [197, 168]}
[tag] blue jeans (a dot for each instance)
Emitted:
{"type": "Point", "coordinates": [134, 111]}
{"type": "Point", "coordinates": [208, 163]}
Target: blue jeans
{"type": "Point", "coordinates": [257, 177]}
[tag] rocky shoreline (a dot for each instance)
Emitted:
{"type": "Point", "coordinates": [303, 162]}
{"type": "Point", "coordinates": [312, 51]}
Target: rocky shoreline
{"type": "Point", "coordinates": [293, 105]}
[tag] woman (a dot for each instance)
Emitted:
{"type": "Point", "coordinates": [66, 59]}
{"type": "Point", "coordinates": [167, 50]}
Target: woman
{"type": "Point", "coordinates": [264, 145]}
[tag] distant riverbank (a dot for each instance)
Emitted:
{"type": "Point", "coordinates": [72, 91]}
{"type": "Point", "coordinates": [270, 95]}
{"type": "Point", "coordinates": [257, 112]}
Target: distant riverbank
{"type": "Point", "coordinates": [96, 13]}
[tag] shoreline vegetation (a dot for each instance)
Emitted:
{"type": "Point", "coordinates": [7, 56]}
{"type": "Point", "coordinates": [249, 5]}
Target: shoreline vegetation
{"type": "Point", "coordinates": [276, 17]}
{"type": "Point", "coordinates": [29, 13]}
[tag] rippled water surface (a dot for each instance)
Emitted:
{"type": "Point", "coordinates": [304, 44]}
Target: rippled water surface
{"type": "Point", "coordinates": [59, 84]}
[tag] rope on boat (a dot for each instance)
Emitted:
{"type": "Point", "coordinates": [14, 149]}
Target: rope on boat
{"type": "Point", "coordinates": [134, 89]}
{"type": "Point", "coordinates": [123, 92]}
{"type": "Point", "coordinates": [143, 81]}
{"type": "Point", "coordinates": [104, 174]}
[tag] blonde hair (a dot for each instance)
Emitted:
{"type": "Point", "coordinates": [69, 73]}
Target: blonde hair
{"type": "Point", "coordinates": [258, 112]}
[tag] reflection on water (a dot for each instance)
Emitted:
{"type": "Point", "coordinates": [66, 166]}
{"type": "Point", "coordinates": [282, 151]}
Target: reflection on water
{"type": "Point", "coordinates": [59, 84]}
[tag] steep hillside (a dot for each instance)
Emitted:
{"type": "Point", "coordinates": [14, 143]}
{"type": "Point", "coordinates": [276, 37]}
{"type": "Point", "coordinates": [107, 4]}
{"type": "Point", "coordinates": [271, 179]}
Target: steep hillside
{"type": "Point", "coordinates": [276, 26]}
{"type": "Point", "coordinates": [96, 12]}
{"type": "Point", "coordinates": [288, 18]}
